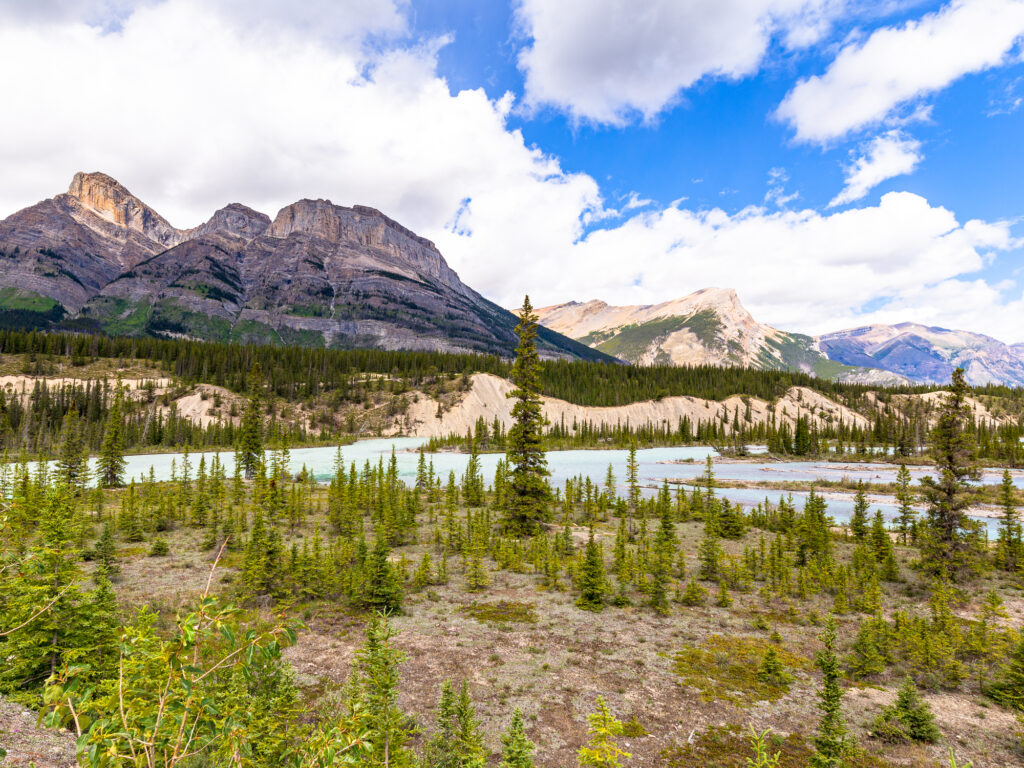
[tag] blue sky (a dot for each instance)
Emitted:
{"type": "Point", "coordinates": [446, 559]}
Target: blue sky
{"type": "Point", "coordinates": [838, 162]}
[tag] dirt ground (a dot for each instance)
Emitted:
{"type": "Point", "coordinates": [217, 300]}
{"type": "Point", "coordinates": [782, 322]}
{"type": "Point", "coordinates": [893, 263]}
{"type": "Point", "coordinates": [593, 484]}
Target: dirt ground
{"type": "Point", "coordinates": [555, 667]}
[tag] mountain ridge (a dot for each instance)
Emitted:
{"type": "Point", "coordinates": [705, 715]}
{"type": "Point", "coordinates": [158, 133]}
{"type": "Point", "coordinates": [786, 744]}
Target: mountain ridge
{"type": "Point", "coordinates": [711, 326]}
{"type": "Point", "coordinates": [98, 258]}
{"type": "Point", "coordinates": [708, 327]}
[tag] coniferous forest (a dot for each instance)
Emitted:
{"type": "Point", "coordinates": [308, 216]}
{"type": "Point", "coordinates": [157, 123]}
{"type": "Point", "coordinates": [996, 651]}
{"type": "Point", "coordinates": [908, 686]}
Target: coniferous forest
{"type": "Point", "coordinates": [256, 617]}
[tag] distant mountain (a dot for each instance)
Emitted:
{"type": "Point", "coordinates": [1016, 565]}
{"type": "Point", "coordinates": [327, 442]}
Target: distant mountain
{"type": "Point", "coordinates": [709, 327]}
{"type": "Point", "coordinates": [98, 258]}
{"type": "Point", "coordinates": [927, 354]}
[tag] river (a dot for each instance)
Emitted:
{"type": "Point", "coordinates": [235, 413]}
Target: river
{"type": "Point", "coordinates": [655, 465]}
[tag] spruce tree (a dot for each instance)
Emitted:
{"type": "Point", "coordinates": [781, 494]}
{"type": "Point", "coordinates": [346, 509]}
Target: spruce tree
{"type": "Point", "coordinates": [389, 729]}
{"type": "Point", "coordinates": [1008, 686]}
{"type": "Point", "coordinates": [43, 600]}
{"type": "Point", "coordinates": [249, 452]}
{"type": "Point", "coordinates": [1010, 548]}
{"type": "Point", "coordinates": [859, 518]}
{"type": "Point", "coordinates": [517, 749]}
{"type": "Point", "coordinates": [471, 750]}
{"type": "Point", "coordinates": [72, 457]}
{"type": "Point", "coordinates": [831, 743]}
{"type": "Point", "coordinates": [592, 582]}
{"type": "Point", "coordinates": [441, 749]}
{"type": "Point", "coordinates": [905, 498]}
{"type": "Point", "coordinates": [528, 495]}
{"type": "Point", "coordinates": [105, 553]}
{"type": "Point", "coordinates": [110, 466]}
{"type": "Point", "coordinates": [949, 545]}
{"type": "Point", "coordinates": [771, 672]}
{"type": "Point", "coordinates": [601, 749]}
{"type": "Point", "coordinates": [908, 719]}
{"type": "Point", "coordinates": [382, 587]}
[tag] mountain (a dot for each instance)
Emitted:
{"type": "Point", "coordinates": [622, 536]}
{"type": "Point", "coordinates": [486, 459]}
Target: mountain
{"type": "Point", "coordinates": [709, 327]}
{"type": "Point", "coordinates": [927, 354]}
{"type": "Point", "coordinates": [98, 258]}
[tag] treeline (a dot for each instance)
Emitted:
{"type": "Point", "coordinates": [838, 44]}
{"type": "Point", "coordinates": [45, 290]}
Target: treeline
{"type": "Point", "coordinates": [297, 373]}
{"type": "Point", "coordinates": [733, 432]}
{"type": "Point", "coordinates": [39, 420]}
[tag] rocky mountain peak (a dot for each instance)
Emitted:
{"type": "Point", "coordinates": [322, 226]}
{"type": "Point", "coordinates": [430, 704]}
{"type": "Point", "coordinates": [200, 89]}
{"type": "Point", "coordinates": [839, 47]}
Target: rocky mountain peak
{"type": "Point", "coordinates": [235, 219]}
{"type": "Point", "coordinates": [338, 223]}
{"type": "Point", "coordinates": [111, 201]}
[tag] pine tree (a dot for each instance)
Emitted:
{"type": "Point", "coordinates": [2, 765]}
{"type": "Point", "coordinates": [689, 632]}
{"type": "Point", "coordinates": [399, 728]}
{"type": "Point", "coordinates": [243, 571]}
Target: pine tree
{"type": "Point", "coordinates": [249, 452]}
{"type": "Point", "coordinates": [949, 545]}
{"type": "Point", "coordinates": [527, 497]}
{"type": "Point", "coordinates": [908, 719]}
{"type": "Point", "coordinates": [517, 749]}
{"type": "Point", "coordinates": [110, 465]}
{"type": "Point", "coordinates": [592, 582]}
{"type": "Point", "coordinates": [603, 729]}
{"type": "Point", "coordinates": [831, 744]}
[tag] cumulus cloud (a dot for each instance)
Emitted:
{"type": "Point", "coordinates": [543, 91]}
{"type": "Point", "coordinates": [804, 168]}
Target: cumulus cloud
{"type": "Point", "coordinates": [799, 270]}
{"type": "Point", "coordinates": [192, 109]}
{"type": "Point", "coordinates": [891, 154]}
{"type": "Point", "coordinates": [607, 60]}
{"type": "Point", "coordinates": [872, 79]}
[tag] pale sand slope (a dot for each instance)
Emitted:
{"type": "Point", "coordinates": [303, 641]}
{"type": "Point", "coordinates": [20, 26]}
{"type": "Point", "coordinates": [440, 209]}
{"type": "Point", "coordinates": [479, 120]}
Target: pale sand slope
{"type": "Point", "coordinates": [17, 384]}
{"type": "Point", "coordinates": [203, 410]}
{"type": "Point", "coordinates": [487, 398]}
{"type": "Point", "coordinates": [934, 401]}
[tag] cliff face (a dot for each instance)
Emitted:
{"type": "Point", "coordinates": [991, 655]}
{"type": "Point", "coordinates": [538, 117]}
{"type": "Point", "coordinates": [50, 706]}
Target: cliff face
{"type": "Point", "coordinates": [317, 274]}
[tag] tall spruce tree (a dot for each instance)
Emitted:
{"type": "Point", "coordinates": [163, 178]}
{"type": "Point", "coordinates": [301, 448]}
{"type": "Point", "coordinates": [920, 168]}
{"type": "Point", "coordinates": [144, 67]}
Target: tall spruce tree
{"type": "Point", "coordinates": [249, 452]}
{"type": "Point", "coordinates": [389, 728]}
{"type": "Point", "coordinates": [592, 582]}
{"type": "Point", "coordinates": [72, 457]}
{"type": "Point", "coordinates": [111, 463]}
{"type": "Point", "coordinates": [1010, 548]}
{"type": "Point", "coordinates": [527, 495]}
{"type": "Point", "coordinates": [950, 544]}
{"type": "Point", "coordinates": [905, 498]}
{"type": "Point", "coordinates": [831, 743]}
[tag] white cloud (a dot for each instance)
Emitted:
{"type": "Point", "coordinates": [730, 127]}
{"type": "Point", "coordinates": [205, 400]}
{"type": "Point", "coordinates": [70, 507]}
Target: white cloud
{"type": "Point", "coordinates": [193, 110]}
{"type": "Point", "coordinates": [872, 79]}
{"type": "Point", "coordinates": [606, 60]}
{"type": "Point", "coordinates": [891, 154]}
{"type": "Point", "coordinates": [799, 270]}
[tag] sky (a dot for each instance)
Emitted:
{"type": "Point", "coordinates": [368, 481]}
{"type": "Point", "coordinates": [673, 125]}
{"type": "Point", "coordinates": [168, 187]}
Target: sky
{"type": "Point", "coordinates": [836, 162]}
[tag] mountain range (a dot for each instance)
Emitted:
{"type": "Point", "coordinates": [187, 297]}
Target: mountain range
{"type": "Point", "coordinates": [98, 258]}
{"type": "Point", "coordinates": [713, 327]}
